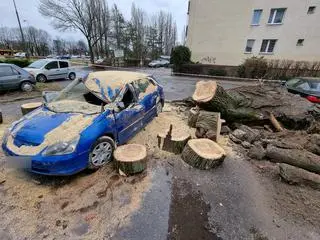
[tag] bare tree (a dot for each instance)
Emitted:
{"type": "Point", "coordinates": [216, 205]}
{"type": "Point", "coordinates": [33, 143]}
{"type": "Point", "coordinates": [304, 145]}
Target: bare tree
{"type": "Point", "coordinates": [82, 15]}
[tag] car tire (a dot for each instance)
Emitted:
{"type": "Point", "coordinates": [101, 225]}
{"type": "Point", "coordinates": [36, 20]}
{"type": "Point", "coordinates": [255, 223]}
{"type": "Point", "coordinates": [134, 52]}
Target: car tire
{"type": "Point", "coordinates": [41, 78]}
{"type": "Point", "coordinates": [101, 153]}
{"type": "Point", "coordinates": [159, 107]}
{"type": "Point", "coordinates": [72, 76]}
{"type": "Point", "coordinates": [26, 86]}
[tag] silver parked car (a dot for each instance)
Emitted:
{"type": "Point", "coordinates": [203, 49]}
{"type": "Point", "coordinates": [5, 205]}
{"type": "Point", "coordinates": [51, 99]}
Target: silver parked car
{"type": "Point", "coordinates": [14, 77]}
{"type": "Point", "coordinates": [49, 69]}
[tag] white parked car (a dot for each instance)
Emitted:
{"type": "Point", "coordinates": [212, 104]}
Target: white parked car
{"type": "Point", "coordinates": [159, 63]}
{"type": "Point", "coordinates": [49, 69]}
{"type": "Point", "coordinates": [20, 55]}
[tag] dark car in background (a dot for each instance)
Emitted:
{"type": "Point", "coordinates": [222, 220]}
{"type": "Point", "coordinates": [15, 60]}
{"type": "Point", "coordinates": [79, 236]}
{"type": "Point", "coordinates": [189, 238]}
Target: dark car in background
{"type": "Point", "coordinates": [306, 87]}
{"type": "Point", "coordinates": [14, 77]}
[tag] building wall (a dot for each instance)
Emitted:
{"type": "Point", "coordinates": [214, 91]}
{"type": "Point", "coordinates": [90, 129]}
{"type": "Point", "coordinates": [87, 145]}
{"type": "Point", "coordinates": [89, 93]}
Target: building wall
{"type": "Point", "coordinates": [218, 30]}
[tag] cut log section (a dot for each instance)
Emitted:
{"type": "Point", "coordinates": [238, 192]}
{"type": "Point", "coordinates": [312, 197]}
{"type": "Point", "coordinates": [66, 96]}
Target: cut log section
{"type": "Point", "coordinates": [173, 140]}
{"type": "Point", "coordinates": [193, 117]}
{"type": "Point", "coordinates": [212, 97]}
{"type": "Point", "coordinates": [208, 125]}
{"type": "Point", "coordinates": [28, 107]}
{"type": "Point", "coordinates": [130, 159]}
{"type": "Point", "coordinates": [295, 157]}
{"type": "Point", "coordinates": [294, 175]}
{"type": "Point", "coordinates": [203, 153]}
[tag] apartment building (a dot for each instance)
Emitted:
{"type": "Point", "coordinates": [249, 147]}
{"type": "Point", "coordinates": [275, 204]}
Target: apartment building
{"type": "Point", "coordinates": [225, 32]}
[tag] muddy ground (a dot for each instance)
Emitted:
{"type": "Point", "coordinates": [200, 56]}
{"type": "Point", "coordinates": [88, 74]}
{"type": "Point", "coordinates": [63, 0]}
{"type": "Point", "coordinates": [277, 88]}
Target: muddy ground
{"type": "Point", "coordinates": [241, 199]}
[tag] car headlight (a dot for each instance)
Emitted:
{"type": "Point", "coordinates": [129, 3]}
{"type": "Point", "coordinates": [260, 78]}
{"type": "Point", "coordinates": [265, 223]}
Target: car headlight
{"type": "Point", "coordinates": [61, 148]}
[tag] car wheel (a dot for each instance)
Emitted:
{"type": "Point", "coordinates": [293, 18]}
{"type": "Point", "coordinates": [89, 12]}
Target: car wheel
{"type": "Point", "coordinates": [26, 86]}
{"type": "Point", "coordinates": [101, 152]}
{"type": "Point", "coordinates": [72, 76]}
{"type": "Point", "coordinates": [41, 78]}
{"type": "Point", "coordinates": [159, 108]}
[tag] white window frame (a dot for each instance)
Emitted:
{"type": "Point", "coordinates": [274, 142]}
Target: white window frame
{"type": "Point", "coordinates": [258, 23]}
{"type": "Point", "coordinates": [250, 39]}
{"type": "Point", "coordinates": [267, 47]}
{"type": "Point", "coordinates": [275, 14]}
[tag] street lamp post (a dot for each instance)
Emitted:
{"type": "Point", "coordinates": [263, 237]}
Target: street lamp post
{"type": "Point", "coordinates": [22, 35]}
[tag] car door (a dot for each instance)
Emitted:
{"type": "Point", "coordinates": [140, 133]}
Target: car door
{"type": "Point", "coordinates": [9, 78]}
{"type": "Point", "coordinates": [52, 70]}
{"type": "Point", "coordinates": [147, 94]}
{"type": "Point", "coordinates": [129, 119]}
{"type": "Point", "coordinates": [64, 68]}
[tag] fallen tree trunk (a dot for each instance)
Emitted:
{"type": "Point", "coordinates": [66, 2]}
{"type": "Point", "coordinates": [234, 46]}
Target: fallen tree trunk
{"type": "Point", "coordinates": [193, 117]}
{"type": "Point", "coordinates": [173, 140]}
{"type": "Point", "coordinates": [294, 175]}
{"type": "Point", "coordinates": [253, 103]}
{"type": "Point", "coordinates": [28, 107]}
{"type": "Point", "coordinates": [203, 154]}
{"type": "Point", "coordinates": [295, 157]}
{"type": "Point", "coordinates": [130, 159]}
{"type": "Point", "coordinates": [208, 125]}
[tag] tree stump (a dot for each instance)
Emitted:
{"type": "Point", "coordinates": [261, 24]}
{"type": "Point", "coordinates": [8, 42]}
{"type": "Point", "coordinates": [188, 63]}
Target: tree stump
{"type": "Point", "coordinates": [28, 107]}
{"type": "Point", "coordinates": [203, 153]}
{"type": "Point", "coordinates": [193, 117]}
{"type": "Point", "coordinates": [173, 140]}
{"type": "Point", "coordinates": [208, 125]}
{"type": "Point", "coordinates": [130, 159]}
{"type": "Point", "coordinates": [294, 175]}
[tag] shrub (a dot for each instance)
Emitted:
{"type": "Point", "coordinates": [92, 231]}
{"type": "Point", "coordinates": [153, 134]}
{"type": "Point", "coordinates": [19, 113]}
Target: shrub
{"type": "Point", "coordinates": [19, 62]}
{"type": "Point", "coordinates": [179, 56]}
{"type": "Point", "coordinates": [254, 67]}
{"type": "Point", "coordinates": [217, 72]}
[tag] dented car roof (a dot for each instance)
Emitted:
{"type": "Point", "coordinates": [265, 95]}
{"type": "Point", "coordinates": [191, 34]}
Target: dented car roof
{"type": "Point", "coordinates": [108, 84]}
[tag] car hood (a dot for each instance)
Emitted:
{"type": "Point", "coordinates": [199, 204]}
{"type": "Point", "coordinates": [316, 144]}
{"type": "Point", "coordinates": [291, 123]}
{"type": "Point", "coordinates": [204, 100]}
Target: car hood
{"type": "Point", "coordinates": [41, 128]}
{"type": "Point", "coordinates": [31, 69]}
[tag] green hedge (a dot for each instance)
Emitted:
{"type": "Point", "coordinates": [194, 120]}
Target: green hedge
{"type": "Point", "coordinates": [19, 62]}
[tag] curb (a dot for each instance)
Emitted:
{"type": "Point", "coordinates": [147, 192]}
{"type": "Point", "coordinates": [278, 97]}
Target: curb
{"type": "Point", "coordinates": [19, 99]}
{"type": "Point", "coordinates": [226, 78]}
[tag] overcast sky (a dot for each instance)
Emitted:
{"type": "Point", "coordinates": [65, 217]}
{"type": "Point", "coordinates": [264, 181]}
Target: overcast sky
{"type": "Point", "coordinates": [29, 15]}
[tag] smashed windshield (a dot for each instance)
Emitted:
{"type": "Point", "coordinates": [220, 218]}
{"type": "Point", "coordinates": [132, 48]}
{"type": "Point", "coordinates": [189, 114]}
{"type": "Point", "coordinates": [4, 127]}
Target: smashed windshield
{"type": "Point", "coordinates": [74, 98]}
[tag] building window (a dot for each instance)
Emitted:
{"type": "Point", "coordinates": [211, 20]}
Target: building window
{"type": "Point", "coordinates": [187, 29]}
{"type": "Point", "coordinates": [249, 46]}
{"type": "Point", "coordinates": [256, 17]}
{"type": "Point", "coordinates": [276, 15]}
{"type": "Point", "coordinates": [300, 42]}
{"type": "Point", "coordinates": [188, 7]}
{"type": "Point", "coordinates": [311, 10]}
{"type": "Point", "coordinates": [268, 45]}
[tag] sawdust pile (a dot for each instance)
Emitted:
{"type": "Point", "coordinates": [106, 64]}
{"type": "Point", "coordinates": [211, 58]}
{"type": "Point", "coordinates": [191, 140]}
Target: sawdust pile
{"type": "Point", "coordinates": [74, 106]}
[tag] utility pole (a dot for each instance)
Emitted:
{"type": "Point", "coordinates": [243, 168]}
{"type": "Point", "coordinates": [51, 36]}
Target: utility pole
{"type": "Point", "coordinates": [22, 36]}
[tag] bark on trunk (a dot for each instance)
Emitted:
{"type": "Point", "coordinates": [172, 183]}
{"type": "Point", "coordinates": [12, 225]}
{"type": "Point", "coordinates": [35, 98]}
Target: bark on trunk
{"type": "Point", "coordinates": [193, 117]}
{"type": "Point", "coordinates": [208, 125]}
{"type": "Point", "coordinates": [130, 159]}
{"type": "Point", "coordinates": [28, 107]}
{"type": "Point", "coordinates": [173, 140]}
{"type": "Point", "coordinates": [294, 175]}
{"type": "Point", "coordinates": [295, 157]}
{"type": "Point", "coordinates": [203, 154]}
{"type": "Point", "coordinates": [212, 97]}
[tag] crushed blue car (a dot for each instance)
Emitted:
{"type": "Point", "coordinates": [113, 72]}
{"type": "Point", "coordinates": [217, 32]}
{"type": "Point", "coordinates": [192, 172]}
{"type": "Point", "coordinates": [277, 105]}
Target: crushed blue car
{"type": "Point", "coordinates": [80, 126]}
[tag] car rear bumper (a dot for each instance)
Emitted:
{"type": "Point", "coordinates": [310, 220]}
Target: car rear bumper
{"type": "Point", "coordinates": [61, 165]}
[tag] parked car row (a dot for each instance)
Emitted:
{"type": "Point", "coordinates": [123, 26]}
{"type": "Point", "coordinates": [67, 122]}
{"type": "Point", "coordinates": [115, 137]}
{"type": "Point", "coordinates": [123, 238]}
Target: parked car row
{"type": "Point", "coordinates": [13, 77]}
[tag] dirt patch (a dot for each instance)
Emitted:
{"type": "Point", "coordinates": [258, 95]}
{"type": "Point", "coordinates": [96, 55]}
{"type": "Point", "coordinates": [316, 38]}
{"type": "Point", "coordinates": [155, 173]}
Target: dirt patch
{"type": "Point", "coordinates": [188, 214]}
